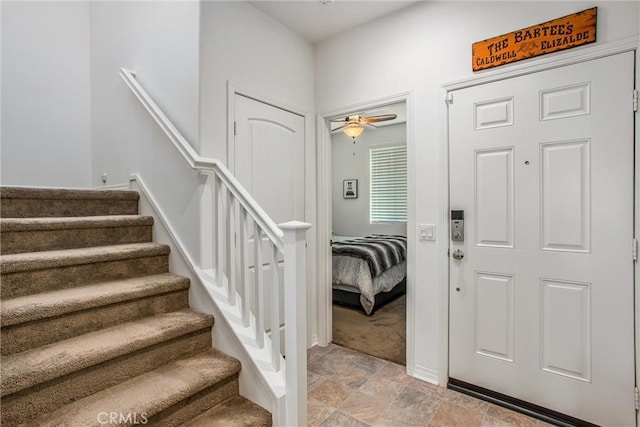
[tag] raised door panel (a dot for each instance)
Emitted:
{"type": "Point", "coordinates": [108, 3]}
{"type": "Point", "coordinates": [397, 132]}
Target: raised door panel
{"type": "Point", "coordinates": [494, 197]}
{"type": "Point", "coordinates": [566, 196]}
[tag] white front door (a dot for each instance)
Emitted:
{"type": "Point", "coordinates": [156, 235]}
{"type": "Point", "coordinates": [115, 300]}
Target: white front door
{"type": "Point", "coordinates": [269, 157]}
{"type": "Point", "coordinates": [541, 304]}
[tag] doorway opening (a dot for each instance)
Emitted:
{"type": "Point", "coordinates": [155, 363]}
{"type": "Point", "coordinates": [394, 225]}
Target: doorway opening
{"type": "Point", "coordinates": [369, 235]}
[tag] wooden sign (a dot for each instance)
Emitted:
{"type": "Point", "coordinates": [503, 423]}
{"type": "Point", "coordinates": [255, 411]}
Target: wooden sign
{"type": "Point", "coordinates": [562, 33]}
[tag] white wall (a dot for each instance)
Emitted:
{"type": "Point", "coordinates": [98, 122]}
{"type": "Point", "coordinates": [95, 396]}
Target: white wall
{"type": "Point", "coordinates": [160, 41]}
{"type": "Point", "coordinates": [243, 45]}
{"type": "Point", "coordinates": [46, 123]}
{"type": "Point", "coordinates": [350, 217]}
{"type": "Point", "coordinates": [418, 49]}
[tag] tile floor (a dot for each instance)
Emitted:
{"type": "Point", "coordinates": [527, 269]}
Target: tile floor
{"type": "Point", "coordinates": [350, 389]}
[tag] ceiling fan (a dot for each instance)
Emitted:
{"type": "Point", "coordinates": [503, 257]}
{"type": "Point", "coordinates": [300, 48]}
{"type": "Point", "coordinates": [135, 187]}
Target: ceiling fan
{"type": "Point", "coordinates": [354, 125]}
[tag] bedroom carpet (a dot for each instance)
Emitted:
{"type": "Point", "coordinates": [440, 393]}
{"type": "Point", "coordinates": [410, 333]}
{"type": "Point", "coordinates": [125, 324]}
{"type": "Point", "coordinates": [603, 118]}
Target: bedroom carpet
{"type": "Point", "coordinates": [381, 335]}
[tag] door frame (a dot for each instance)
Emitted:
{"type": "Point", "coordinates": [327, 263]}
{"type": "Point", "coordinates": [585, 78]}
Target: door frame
{"type": "Point", "coordinates": [324, 216]}
{"type": "Point", "coordinates": [234, 89]}
{"type": "Point", "coordinates": [552, 61]}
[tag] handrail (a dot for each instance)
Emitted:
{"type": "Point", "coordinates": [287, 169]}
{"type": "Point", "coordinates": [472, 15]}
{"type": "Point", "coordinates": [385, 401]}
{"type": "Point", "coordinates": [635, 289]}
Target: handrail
{"type": "Point", "coordinates": [203, 163]}
{"type": "Point", "coordinates": [234, 214]}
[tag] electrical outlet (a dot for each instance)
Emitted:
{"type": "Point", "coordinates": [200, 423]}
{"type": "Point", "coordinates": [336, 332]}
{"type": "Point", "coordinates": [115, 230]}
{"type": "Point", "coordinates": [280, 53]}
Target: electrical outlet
{"type": "Point", "coordinates": [104, 178]}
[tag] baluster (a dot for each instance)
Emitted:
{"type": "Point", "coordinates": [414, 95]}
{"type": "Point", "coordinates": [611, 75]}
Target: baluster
{"type": "Point", "coordinates": [242, 236]}
{"type": "Point", "coordinates": [259, 289]}
{"type": "Point", "coordinates": [275, 307]}
{"type": "Point", "coordinates": [219, 226]}
{"type": "Point", "coordinates": [231, 249]}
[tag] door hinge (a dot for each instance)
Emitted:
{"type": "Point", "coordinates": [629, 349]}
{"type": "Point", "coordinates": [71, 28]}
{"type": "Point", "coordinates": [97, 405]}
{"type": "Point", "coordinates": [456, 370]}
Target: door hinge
{"type": "Point", "coordinates": [634, 250]}
{"type": "Point", "coordinates": [235, 128]}
{"type": "Point", "coordinates": [637, 398]}
{"type": "Point", "coordinates": [635, 100]}
{"type": "Point", "coordinates": [449, 98]}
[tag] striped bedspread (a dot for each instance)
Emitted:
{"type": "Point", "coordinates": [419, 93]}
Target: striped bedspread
{"type": "Point", "coordinates": [380, 251]}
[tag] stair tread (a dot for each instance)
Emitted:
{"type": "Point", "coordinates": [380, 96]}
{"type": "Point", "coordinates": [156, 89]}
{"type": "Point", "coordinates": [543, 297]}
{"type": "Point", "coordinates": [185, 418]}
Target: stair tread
{"type": "Point", "coordinates": [38, 365]}
{"type": "Point", "coordinates": [55, 303]}
{"type": "Point", "coordinates": [13, 263]}
{"type": "Point", "coordinates": [66, 193]}
{"type": "Point", "coordinates": [235, 412]}
{"type": "Point", "coordinates": [65, 223]}
{"type": "Point", "coordinates": [151, 392]}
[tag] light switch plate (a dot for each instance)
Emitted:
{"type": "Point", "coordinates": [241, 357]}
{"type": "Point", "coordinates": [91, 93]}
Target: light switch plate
{"type": "Point", "coordinates": [427, 232]}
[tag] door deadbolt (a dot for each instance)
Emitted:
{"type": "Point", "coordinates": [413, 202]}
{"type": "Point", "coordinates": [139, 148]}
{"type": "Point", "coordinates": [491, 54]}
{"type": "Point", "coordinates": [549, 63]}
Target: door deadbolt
{"type": "Point", "coordinates": [457, 226]}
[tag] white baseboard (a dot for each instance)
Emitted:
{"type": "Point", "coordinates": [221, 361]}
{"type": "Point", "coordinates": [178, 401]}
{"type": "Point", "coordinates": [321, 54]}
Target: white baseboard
{"type": "Point", "coordinates": [123, 186]}
{"type": "Point", "coordinates": [426, 374]}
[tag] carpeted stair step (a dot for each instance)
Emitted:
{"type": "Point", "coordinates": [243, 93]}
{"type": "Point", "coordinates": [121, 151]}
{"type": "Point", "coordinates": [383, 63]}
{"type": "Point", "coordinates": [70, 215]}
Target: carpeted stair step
{"type": "Point", "coordinates": [34, 272]}
{"type": "Point", "coordinates": [19, 202]}
{"type": "Point", "coordinates": [235, 412]}
{"type": "Point", "coordinates": [46, 234]}
{"type": "Point", "coordinates": [40, 380]}
{"type": "Point", "coordinates": [39, 319]}
{"type": "Point", "coordinates": [167, 396]}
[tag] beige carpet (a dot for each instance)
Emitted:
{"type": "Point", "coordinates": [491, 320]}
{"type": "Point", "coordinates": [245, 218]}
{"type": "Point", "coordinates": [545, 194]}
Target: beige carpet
{"type": "Point", "coordinates": [92, 322]}
{"type": "Point", "coordinates": [384, 334]}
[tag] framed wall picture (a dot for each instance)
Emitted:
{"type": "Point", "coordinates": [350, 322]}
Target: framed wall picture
{"type": "Point", "coordinates": [350, 189]}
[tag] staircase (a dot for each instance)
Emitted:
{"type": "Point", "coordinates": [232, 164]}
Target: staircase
{"type": "Point", "coordinates": [95, 329]}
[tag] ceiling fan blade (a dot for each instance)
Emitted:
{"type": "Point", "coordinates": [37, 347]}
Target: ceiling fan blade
{"type": "Point", "coordinates": [340, 127]}
{"type": "Point", "coordinates": [373, 126]}
{"type": "Point", "coordinates": [343, 120]}
{"type": "Point", "coordinates": [380, 118]}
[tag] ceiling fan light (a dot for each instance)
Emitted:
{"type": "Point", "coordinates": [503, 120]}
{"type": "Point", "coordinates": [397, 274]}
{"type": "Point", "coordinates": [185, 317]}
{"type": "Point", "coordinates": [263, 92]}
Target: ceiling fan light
{"type": "Point", "coordinates": [353, 130]}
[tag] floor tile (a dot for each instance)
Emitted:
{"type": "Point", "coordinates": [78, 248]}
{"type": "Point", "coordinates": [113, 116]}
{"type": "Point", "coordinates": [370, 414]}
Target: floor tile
{"type": "Point", "coordinates": [313, 379]}
{"type": "Point", "coordinates": [328, 366]}
{"type": "Point", "coordinates": [377, 386]}
{"type": "Point", "coordinates": [451, 415]}
{"type": "Point", "coordinates": [416, 415]}
{"type": "Point", "coordinates": [497, 416]}
{"type": "Point", "coordinates": [317, 412]}
{"type": "Point", "coordinates": [426, 387]}
{"type": "Point", "coordinates": [353, 377]}
{"type": "Point", "coordinates": [466, 401]}
{"type": "Point", "coordinates": [347, 388]}
{"type": "Point", "coordinates": [339, 419]}
{"type": "Point", "coordinates": [330, 393]}
{"type": "Point", "coordinates": [364, 407]}
{"type": "Point", "coordinates": [394, 372]}
{"type": "Point", "coordinates": [317, 351]}
{"type": "Point", "coordinates": [369, 363]}
{"type": "Point", "coordinates": [411, 399]}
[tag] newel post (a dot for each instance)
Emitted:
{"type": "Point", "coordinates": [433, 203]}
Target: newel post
{"type": "Point", "coordinates": [295, 321]}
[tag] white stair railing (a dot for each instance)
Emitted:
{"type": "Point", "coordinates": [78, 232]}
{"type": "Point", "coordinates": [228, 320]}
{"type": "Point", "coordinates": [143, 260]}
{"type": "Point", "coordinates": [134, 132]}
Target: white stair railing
{"type": "Point", "coordinates": [257, 275]}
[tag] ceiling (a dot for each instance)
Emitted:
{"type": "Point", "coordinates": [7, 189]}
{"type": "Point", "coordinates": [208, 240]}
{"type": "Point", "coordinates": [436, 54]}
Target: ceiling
{"type": "Point", "coordinates": [319, 20]}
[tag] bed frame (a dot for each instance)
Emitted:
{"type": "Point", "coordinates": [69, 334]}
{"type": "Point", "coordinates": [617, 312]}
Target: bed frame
{"type": "Point", "coordinates": [352, 299]}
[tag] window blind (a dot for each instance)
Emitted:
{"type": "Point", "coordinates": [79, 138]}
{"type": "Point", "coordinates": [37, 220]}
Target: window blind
{"type": "Point", "coordinates": [388, 174]}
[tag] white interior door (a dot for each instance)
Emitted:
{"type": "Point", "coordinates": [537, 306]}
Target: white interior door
{"type": "Point", "coordinates": [268, 161]}
{"type": "Point", "coordinates": [269, 157]}
{"type": "Point", "coordinates": [541, 304]}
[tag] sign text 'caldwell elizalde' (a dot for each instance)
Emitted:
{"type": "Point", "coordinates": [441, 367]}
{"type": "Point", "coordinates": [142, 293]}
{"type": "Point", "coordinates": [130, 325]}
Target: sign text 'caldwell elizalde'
{"type": "Point", "coordinates": [562, 33]}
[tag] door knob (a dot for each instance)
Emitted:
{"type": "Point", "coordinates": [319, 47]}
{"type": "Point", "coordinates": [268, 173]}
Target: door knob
{"type": "Point", "coordinates": [458, 254]}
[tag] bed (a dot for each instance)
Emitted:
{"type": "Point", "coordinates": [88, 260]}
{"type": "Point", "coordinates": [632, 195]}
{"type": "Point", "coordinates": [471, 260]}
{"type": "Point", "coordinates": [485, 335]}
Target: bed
{"type": "Point", "coordinates": [368, 271]}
